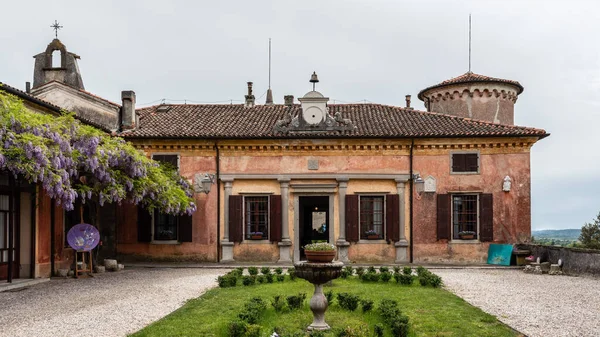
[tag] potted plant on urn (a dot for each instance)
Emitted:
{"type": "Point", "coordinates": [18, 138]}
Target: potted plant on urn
{"type": "Point", "coordinates": [320, 252]}
{"type": "Point", "coordinates": [466, 235]}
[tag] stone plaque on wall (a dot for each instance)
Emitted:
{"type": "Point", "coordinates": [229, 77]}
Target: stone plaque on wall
{"type": "Point", "coordinates": [430, 184]}
{"type": "Point", "coordinates": [313, 164]}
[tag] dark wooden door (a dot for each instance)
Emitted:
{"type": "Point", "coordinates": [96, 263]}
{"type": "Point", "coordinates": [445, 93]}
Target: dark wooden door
{"type": "Point", "coordinates": [9, 240]}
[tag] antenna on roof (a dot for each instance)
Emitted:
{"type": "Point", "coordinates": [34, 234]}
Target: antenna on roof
{"type": "Point", "coordinates": [269, 92]}
{"type": "Point", "coordinates": [469, 42]}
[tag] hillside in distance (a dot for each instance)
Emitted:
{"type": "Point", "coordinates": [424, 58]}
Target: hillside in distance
{"type": "Point", "coordinates": [558, 234]}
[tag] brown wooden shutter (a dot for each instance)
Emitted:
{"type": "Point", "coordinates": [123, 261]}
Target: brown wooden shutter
{"type": "Point", "coordinates": [185, 228]}
{"type": "Point", "coordinates": [458, 162]}
{"type": "Point", "coordinates": [236, 218]}
{"type": "Point", "coordinates": [352, 218]}
{"type": "Point", "coordinates": [392, 218]}
{"type": "Point", "coordinates": [144, 222]}
{"type": "Point", "coordinates": [443, 216]}
{"type": "Point", "coordinates": [275, 218]}
{"type": "Point", "coordinates": [486, 217]}
{"type": "Point", "coordinates": [471, 162]}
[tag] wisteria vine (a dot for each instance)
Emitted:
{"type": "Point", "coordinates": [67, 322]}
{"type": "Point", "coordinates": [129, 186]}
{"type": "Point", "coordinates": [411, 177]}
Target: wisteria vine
{"type": "Point", "coordinates": [72, 160]}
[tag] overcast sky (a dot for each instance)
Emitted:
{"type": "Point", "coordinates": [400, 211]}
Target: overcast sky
{"type": "Point", "coordinates": [379, 51]}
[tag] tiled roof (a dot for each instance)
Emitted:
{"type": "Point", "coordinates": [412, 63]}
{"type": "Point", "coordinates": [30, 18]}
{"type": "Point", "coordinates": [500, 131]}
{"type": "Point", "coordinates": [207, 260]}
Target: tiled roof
{"type": "Point", "coordinates": [470, 77]}
{"type": "Point", "coordinates": [53, 107]}
{"type": "Point", "coordinates": [371, 120]}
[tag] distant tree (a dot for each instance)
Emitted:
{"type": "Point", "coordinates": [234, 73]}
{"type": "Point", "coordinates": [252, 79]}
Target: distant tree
{"type": "Point", "coordinates": [590, 234]}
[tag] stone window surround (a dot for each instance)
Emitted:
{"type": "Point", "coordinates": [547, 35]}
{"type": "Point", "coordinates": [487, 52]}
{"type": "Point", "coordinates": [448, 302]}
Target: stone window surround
{"type": "Point", "coordinates": [323, 189]}
{"type": "Point", "coordinates": [459, 241]}
{"type": "Point", "coordinates": [466, 152]}
{"type": "Point", "coordinates": [152, 228]}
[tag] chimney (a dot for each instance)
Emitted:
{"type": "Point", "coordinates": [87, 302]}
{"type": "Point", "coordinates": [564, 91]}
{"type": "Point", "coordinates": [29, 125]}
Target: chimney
{"type": "Point", "coordinates": [408, 102]}
{"type": "Point", "coordinates": [28, 87]}
{"type": "Point", "coordinates": [269, 97]}
{"type": "Point", "coordinates": [249, 97]}
{"type": "Point", "coordinates": [128, 117]}
{"type": "Point", "coordinates": [288, 100]}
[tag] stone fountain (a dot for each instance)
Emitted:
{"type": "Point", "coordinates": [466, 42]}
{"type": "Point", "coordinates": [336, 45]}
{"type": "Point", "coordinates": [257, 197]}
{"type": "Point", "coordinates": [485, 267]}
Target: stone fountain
{"type": "Point", "coordinates": [318, 273]}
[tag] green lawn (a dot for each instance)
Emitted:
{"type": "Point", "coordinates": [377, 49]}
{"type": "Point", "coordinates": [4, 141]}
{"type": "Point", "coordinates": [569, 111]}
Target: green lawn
{"type": "Point", "coordinates": [432, 312]}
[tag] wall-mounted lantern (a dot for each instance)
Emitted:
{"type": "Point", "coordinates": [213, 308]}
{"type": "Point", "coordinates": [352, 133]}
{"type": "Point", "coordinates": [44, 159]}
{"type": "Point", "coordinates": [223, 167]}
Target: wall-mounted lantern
{"type": "Point", "coordinates": [506, 184]}
{"type": "Point", "coordinates": [419, 184]}
{"type": "Point", "coordinates": [203, 182]}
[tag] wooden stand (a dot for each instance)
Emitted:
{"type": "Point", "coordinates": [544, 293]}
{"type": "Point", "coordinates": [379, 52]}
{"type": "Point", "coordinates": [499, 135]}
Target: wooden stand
{"type": "Point", "coordinates": [88, 263]}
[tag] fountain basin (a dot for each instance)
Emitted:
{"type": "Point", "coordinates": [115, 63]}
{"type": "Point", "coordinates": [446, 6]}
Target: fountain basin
{"type": "Point", "coordinates": [318, 273]}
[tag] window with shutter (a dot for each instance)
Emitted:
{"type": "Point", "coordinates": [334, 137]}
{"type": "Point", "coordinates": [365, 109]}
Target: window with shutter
{"type": "Point", "coordinates": [371, 217]}
{"type": "Point", "coordinates": [256, 217]}
{"type": "Point", "coordinates": [144, 222]}
{"type": "Point", "coordinates": [185, 228]}
{"type": "Point", "coordinates": [166, 226]}
{"type": "Point", "coordinates": [275, 218]}
{"type": "Point", "coordinates": [443, 217]}
{"type": "Point", "coordinates": [486, 217]}
{"type": "Point", "coordinates": [392, 217]}
{"type": "Point", "coordinates": [465, 216]}
{"type": "Point", "coordinates": [352, 218]}
{"type": "Point", "coordinates": [465, 162]}
{"type": "Point", "coordinates": [236, 219]}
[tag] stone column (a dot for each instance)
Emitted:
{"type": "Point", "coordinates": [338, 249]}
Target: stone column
{"type": "Point", "coordinates": [402, 245]}
{"type": "Point", "coordinates": [341, 242]}
{"type": "Point", "coordinates": [286, 243]}
{"type": "Point", "coordinates": [226, 245]}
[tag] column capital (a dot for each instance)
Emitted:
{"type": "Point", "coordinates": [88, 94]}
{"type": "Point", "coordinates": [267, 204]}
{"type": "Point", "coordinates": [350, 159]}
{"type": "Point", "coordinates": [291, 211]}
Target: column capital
{"type": "Point", "coordinates": [342, 179]}
{"type": "Point", "coordinates": [400, 183]}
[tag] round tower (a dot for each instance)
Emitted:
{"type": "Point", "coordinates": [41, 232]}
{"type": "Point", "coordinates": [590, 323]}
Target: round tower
{"type": "Point", "coordinates": [474, 96]}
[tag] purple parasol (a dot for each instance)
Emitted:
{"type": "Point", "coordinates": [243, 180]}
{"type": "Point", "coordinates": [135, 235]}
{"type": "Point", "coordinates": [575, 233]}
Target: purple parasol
{"type": "Point", "coordinates": [83, 236]}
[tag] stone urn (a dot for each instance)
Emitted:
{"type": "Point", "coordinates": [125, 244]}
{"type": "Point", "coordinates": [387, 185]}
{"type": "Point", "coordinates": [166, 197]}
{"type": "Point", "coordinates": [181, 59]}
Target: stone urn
{"type": "Point", "coordinates": [318, 273]}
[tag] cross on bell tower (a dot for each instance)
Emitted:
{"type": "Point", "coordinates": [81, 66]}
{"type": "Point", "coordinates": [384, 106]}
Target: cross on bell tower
{"type": "Point", "coordinates": [56, 27]}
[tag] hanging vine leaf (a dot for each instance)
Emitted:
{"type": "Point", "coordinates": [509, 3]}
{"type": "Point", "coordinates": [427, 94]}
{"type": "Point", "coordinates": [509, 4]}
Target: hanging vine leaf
{"type": "Point", "coordinates": [72, 160]}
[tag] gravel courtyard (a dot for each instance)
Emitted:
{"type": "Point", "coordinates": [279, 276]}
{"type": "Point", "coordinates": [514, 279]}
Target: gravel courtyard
{"type": "Point", "coordinates": [111, 304]}
{"type": "Point", "coordinates": [115, 304]}
{"type": "Point", "coordinates": [536, 305]}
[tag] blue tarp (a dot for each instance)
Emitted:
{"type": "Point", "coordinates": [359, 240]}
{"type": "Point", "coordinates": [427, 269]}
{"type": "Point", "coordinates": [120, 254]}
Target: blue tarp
{"type": "Point", "coordinates": [499, 254]}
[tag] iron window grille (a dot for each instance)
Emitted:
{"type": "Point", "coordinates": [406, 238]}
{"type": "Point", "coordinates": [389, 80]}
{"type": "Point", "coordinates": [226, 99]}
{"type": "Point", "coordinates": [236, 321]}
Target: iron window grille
{"type": "Point", "coordinates": [256, 219]}
{"type": "Point", "coordinates": [371, 217]}
{"type": "Point", "coordinates": [465, 215]}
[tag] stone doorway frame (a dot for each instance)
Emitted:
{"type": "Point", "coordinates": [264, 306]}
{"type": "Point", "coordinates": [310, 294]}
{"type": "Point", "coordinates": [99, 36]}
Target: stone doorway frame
{"type": "Point", "coordinates": [318, 192]}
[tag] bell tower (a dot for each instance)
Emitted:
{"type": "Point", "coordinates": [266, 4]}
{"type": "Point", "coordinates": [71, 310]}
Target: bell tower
{"type": "Point", "coordinates": [66, 71]}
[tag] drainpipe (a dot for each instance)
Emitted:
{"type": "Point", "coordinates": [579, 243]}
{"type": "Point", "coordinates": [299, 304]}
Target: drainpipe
{"type": "Point", "coordinates": [218, 203]}
{"type": "Point", "coordinates": [410, 198]}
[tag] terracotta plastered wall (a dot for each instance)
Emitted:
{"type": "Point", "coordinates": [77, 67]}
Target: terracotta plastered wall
{"type": "Point", "coordinates": [193, 159]}
{"type": "Point", "coordinates": [512, 213]}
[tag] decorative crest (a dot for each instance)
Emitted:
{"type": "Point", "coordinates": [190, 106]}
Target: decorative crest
{"type": "Point", "coordinates": [56, 27]}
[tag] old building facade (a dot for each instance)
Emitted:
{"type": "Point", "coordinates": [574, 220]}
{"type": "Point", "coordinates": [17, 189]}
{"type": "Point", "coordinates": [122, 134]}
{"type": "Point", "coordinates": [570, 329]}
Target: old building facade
{"type": "Point", "coordinates": [384, 183]}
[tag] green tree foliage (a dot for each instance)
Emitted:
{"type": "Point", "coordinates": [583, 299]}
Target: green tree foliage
{"type": "Point", "coordinates": [74, 161]}
{"type": "Point", "coordinates": [590, 234]}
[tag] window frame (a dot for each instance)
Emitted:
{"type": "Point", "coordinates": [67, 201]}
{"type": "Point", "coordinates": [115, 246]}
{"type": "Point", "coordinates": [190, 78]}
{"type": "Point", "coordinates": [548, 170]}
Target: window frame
{"type": "Point", "coordinates": [266, 233]}
{"type": "Point", "coordinates": [155, 213]}
{"type": "Point", "coordinates": [452, 153]}
{"type": "Point", "coordinates": [361, 235]}
{"type": "Point", "coordinates": [477, 230]}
